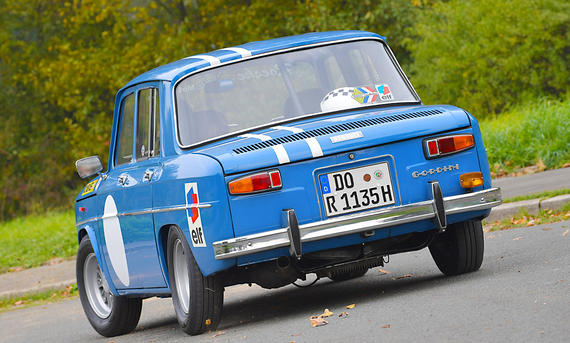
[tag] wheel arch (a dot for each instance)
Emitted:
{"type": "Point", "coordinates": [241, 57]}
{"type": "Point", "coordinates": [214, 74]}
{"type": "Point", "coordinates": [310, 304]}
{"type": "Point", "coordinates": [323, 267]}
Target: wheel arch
{"type": "Point", "coordinates": [89, 231]}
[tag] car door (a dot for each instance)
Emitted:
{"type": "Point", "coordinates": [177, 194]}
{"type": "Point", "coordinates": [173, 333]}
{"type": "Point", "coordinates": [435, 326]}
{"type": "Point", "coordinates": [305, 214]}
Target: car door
{"type": "Point", "coordinates": [128, 230]}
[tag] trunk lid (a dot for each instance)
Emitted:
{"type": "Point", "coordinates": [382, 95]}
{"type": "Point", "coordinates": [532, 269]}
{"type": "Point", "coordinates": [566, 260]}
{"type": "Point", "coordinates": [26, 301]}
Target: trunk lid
{"type": "Point", "coordinates": [332, 134]}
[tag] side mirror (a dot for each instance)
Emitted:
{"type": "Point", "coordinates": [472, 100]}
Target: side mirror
{"type": "Point", "coordinates": [88, 166]}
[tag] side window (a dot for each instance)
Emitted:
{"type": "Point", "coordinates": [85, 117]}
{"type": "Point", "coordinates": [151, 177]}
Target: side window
{"type": "Point", "coordinates": [148, 124]}
{"type": "Point", "coordinates": [124, 151]}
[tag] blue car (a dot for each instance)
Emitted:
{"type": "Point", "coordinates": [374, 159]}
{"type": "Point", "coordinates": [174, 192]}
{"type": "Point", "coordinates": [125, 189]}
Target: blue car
{"type": "Point", "coordinates": [267, 162]}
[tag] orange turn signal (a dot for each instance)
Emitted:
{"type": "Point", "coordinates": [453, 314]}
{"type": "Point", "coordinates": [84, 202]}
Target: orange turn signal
{"type": "Point", "coordinates": [471, 180]}
{"type": "Point", "coordinates": [256, 183]}
{"type": "Point", "coordinates": [448, 145]}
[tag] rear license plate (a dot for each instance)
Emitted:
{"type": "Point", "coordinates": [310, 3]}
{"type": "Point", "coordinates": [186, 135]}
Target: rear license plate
{"type": "Point", "coordinates": [357, 189]}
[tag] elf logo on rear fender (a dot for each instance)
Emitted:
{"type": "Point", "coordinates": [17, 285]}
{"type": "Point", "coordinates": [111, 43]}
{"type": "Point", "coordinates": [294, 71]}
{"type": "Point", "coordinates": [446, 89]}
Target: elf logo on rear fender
{"type": "Point", "coordinates": [193, 214]}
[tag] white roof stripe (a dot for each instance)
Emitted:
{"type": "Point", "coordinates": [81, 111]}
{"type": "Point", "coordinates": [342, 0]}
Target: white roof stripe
{"type": "Point", "coordinates": [243, 52]}
{"type": "Point", "coordinates": [288, 128]}
{"type": "Point", "coordinates": [213, 60]}
{"type": "Point", "coordinates": [260, 137]}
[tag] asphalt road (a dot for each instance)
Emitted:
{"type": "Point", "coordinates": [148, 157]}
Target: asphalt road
{"type": "Point", "coordinates": [521, 294]}
{"type": "Point", "coordinates": [549, 180]}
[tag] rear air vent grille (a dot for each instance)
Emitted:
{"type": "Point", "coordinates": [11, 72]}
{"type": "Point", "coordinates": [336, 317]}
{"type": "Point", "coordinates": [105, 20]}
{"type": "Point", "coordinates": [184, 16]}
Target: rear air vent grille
{"type": "Point", "coordinates": [335, 129]}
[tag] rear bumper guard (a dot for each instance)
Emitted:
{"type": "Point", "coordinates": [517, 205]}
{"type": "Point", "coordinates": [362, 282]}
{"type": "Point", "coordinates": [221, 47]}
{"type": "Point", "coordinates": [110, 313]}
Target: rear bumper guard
{"type": "Point", "coordinates": [293, 235]}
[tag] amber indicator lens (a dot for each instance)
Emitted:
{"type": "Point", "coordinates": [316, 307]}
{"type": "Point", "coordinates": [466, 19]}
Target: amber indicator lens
{"type": "Point", "coordinates": [447, 145]}
{"type": "Point", "coordinates": [255, 183]}
{"type": "Point", "coordinates": [471, 180]}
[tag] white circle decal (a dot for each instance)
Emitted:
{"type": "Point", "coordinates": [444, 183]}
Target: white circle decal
{"type": "Point", "coordinates": [114, 241]}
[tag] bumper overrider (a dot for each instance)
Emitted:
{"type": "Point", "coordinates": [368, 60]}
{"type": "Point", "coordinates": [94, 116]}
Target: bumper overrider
{"type": "Point", "coordinates": [293, 235]}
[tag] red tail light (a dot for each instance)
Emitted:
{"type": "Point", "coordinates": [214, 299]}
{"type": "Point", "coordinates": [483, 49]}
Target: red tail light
{"type": "Point", "coordinates": [447, 145]}
{"type": "Point", "coordinates": [256, 183]}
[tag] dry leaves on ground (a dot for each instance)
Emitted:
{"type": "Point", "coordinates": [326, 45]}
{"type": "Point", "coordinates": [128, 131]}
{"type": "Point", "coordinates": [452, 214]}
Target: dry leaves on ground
{"type": "Point", "coordinates": [387, 326]}
{"type": "Point", "coordinates": [218, 333]}
{"type": "Point", "coordinates": [382, 271]}
{"type": "Point", "coordinates": [343, 315]}
{"type": "Point", "coordinates": [351, 306]}
{"type": "Point", "coordinates": [565, 233]}
{"type": "Point", "coordinates": [403, 277]}
{"type": "Point", "coordinates": [326, 313]}
{"type": "Point", "coordinates": [318, 321]}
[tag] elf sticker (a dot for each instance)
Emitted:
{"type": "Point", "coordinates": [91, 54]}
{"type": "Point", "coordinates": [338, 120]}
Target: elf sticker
{"type": "Point", "coordinates": [193, 214]}
{"type": "Point", "coordinates": [384, 92]}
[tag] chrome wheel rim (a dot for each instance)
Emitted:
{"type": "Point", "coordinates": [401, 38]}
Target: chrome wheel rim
{"type": "Point", "coordinates": [96, 287]}
{"type": "Point", "coordinates": [181, 276]}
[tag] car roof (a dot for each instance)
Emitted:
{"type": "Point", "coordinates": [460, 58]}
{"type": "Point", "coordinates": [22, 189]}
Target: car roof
{"type": "Point", "coordinates": [175, 70]}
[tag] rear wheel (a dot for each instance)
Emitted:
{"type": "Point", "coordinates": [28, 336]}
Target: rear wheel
{"type": "Point", "coordinates": [459, 249]}
{"type": "Point", "coordinates": [347, 275]}
{"type": "Point", "coordinates": [108, 314]}
{"type": "Point", "coordinates": [197, 299]}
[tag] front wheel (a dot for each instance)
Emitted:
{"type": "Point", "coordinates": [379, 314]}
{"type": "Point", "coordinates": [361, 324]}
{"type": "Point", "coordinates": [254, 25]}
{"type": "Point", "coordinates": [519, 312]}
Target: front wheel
{"type": "Point", "coordinates": [459, 249]}
{"type": "Point", "coordinates": [108, 314]}
{"type": "Point", "coordinates": [197, 299]}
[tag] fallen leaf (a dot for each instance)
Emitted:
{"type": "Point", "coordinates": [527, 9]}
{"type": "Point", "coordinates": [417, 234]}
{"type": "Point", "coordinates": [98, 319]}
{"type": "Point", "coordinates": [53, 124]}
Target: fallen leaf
{"type": "Point", "coordinates": [387, 326]}
{"type": "Point", "coordinates": [327, 313]}
{"type": "Point", "coordinates": [351, 306]}
{"type": "Point", "coordinates": [516, 238]}
{"type": "Point", "coordinates": [490, 236]}
{"type": "Point", "coordinates": [343, 315]}
{"type": "Point", "coordinates": [208, 321]}
{"type": "Point", "coordinates": [565, 233]}
{"type": "Point", "coordinates": [404, 276]}
{"type": "Point", "coordinates": [383, 271]}
{"type": "Point", "coordinates": [219, 333]}
{"type": "Point", "coordinates": [19, 302]}
{"type": "Point", "coordinates": [318, 321]}
{"type": "Point", "coordinates": [546, 229]}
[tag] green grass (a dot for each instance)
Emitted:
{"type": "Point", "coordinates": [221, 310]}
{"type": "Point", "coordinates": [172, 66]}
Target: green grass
{"type": "Point", "coordinates": [541, 195]}
{"type": "Point", "coordinates": [525, 135]}
{"type": "Point", "coordinates": [40, 298]}
{"type": "Point", "coordinates": [30, 241]}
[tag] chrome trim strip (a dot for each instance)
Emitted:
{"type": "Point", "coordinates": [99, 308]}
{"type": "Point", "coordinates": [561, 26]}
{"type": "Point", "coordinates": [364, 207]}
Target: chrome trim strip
{"type": "Point", "coordinates": [275, 52]}
{"type": "Point", "coordinates": [147, 211]}
{"type": "Point", "coordinates": [355, 223]}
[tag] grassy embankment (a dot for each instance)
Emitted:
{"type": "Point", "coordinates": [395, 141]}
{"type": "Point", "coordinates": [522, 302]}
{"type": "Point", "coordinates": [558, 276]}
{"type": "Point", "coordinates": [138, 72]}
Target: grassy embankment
{"type": "Point", "coordinates": [533, 134]}
{"type": "Point", "coordinates": [31, 241]}
{"type": "Point", "coordinates": [516, 139]}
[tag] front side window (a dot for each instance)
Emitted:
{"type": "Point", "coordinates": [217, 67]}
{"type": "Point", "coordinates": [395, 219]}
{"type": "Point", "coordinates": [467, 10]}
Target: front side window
{"type": "Point", "coordinates": [148, 127]}
{"type": "Point", "coordinates": [124, 151]}
{"type": "Point", "coordinates": [279, 87]}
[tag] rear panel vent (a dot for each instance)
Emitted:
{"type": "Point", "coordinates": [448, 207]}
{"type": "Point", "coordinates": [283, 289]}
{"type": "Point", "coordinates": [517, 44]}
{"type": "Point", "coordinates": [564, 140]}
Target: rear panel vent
{"type": "Point", "coordinates": [335, 129]}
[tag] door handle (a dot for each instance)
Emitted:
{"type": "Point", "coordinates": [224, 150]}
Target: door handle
{"type": "Point", "coordinates": [148, 175]}
{"type": "Point", "coordinates": [122, 179]}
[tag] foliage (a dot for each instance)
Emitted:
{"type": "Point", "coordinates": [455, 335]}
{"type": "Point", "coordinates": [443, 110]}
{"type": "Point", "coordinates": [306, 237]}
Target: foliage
{"type": "Point", "coordinates": [485, 55]}
{"type": "Point", "coordinates": [530, 133]}
{"type": "Point", "coordinates": [33, 240]}
{"type": "Point", "coordinates": [62, 62]}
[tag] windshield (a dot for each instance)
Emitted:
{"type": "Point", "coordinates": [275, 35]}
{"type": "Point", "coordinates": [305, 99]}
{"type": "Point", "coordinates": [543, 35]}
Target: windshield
{"type": "Point", "coordinates": [279, 87]}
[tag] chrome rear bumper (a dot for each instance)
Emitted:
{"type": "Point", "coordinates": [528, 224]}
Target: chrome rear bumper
{"type": "Point", "coordinates": [356, 223]}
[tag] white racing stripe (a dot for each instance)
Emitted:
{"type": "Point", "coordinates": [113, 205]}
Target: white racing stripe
{"type": "Point", "coordinates": [314, 145]}
{"type": "Point", "coordinates": [280, 151]}
{"type": "Point", "coordinates": [213, 60]}
{"type": "Point", "coordinates": [260, 137]}
{"type": "Point", "coordinates": [288, 128]}
{"type": "Point", "coordinates": [243, 52]}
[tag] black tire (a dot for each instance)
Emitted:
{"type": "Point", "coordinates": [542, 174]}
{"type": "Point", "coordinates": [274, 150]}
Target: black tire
{"type": "Point", "coordinates": [202, 310]}
{"type": "Point", "coordinates": [459, 249]}
{"type": "Point", "coordinates": [123, 313]}
{"type": "Point", "coordinates": [343, 276]}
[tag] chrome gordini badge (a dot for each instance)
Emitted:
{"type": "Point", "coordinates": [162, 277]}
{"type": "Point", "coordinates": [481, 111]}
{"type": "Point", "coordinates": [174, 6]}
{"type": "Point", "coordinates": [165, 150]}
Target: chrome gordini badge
{"type": "Point", "coordinates": [437, 170]}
